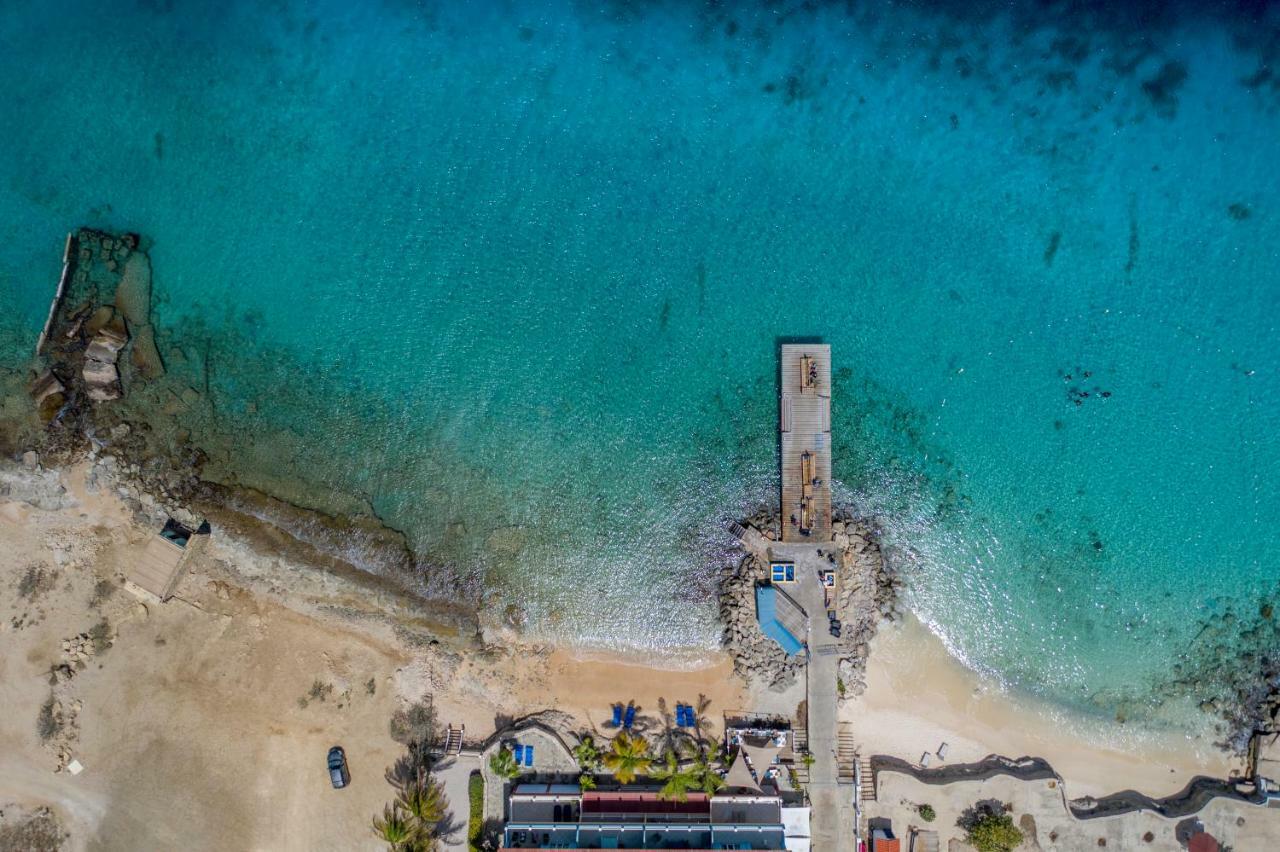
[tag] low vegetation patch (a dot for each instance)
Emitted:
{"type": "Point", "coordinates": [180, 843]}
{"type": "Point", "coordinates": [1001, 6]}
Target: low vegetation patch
{"type": "Point", "coordinates": [415, 724]}
{"type": "Point", "coordinates": [100, 636]}
{"type": "Point", "coordinates": [927, 813]}
{"type": "Point", "coordinates": [102, 590]}
{"type": "Point", "coordinates": [989, 828]}
{"type": "Point", "coordinates": [475, 824]}
{"type": "Point", "coordinates": [319, 692]}
{"type": "Point", "coordinates": [39, 831]}
{"type": "Point", "coordinates": [47, 724]}
{"type": "Point", "coordinates": [36, 581]}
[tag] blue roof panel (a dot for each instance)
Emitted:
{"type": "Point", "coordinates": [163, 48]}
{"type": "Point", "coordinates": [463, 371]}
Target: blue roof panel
{"type": "Point", "coordinates": [767, 613]}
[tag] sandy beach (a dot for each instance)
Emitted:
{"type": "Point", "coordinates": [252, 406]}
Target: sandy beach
{"type": "Point", "coordinates": [919, 696]}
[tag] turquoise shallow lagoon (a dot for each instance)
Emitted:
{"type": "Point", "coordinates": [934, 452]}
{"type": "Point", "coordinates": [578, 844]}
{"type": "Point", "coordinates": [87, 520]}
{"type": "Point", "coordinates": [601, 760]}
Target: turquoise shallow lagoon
{"type": "Point", "coordinates": [513, 276]}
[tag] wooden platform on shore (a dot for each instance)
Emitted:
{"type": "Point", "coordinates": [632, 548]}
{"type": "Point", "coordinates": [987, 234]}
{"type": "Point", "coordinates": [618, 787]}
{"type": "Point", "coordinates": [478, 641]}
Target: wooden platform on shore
{"type": "Point", "coordinates": [804, 422]}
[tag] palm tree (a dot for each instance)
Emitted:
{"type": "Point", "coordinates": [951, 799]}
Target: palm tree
{"type": "Point", "coordinates": [586, 754]}
{"type": "Point", "coordinates": [587, 782]}
{"type": "Point", "coordinates": [705, 770]}
{"type": "Point", "coordinates": [426, 803]}
{"type": "Point", "coordinates": [394, 828]}
{"type": "Point", "coordinates": [503, 763]}
{"type": "Point", "coordinates": [628, 757]}
{"type": "Point", "coordinates": [679, 781]}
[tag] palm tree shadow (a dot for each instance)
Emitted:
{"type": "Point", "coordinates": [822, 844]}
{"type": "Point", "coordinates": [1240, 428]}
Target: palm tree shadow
{"type": "Point", "coordinates": [698, 719]}
{"type": "Point", "coordinates": [447, 829]}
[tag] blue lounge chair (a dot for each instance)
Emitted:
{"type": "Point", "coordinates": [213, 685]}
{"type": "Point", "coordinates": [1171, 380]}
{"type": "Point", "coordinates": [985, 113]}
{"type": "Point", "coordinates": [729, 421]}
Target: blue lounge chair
{"type": "Point", "coordinates": [617, 715]}
{"type": "Point", "coordinates": [528, 755]}
{"type": "Point", "coordinates": [630, 718]}
{"type": "Point", "coordinates": [690, 719]}
{"type": "Point", "coordinates": [682, 715]}
{"type": "Point", "coordinates": [517, 751]}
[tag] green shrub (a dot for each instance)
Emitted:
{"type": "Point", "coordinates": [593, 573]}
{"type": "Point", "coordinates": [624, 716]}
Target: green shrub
{"type": "Point", "coordinates": [475, 825]}
{"type": "Point", "coordinates": [994, 833]}
{"type": "Point", "coordinates": [927, 813]}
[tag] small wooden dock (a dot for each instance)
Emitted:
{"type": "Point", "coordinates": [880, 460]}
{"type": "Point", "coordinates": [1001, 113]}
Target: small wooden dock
{"type": "Point", "coordinates": [804, 423]}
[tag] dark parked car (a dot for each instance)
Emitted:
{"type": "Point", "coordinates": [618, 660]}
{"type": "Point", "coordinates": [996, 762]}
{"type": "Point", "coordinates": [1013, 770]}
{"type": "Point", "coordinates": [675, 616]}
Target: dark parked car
{"type": "Point", "coordinates": [338, 773]}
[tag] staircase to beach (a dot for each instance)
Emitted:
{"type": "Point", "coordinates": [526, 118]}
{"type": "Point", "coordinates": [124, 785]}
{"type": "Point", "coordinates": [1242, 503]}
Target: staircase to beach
{"type": "Point", "coordinates": [453, 740]}
{"type": "Point", "coordinates": [867, 779]}
{"type": "Point", "coordinates": [801, 735]}
{"type": "Point", "coordinates": [846, 755]}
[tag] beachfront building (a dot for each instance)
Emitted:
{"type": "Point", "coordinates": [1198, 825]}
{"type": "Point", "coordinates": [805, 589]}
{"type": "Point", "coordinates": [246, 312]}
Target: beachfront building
{"type": "Point", "coordinates": [563, 816]}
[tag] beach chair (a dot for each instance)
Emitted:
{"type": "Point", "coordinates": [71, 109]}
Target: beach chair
{"type": "Point", "coordinates": [528, 755]}
{"type": "Point", "coordinates": [680, 717]}
{"type": "Point", "coordinates": [630, 718]}
{"type": "Point", "coordinates": [617, 715]}
{"type": "Point", "coordinates": [690, 718]}
{"type": "Point", "coordinates": [517, 752]}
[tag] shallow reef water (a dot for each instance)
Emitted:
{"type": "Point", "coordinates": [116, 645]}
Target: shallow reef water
{"type": "Point", "coordinates": [510, 277]}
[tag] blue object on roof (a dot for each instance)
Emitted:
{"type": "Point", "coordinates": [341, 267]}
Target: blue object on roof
{"type": "Point", "coordinates": [767, 613]}
{"type": "Point", "coordinates": [617, 715]}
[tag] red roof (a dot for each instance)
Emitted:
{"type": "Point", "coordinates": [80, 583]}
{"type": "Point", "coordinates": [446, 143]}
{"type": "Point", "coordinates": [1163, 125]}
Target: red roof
{"type": "Point", "coordinates": [643, 803]}
{"type": "Point", "coordinates": [1202, 842]}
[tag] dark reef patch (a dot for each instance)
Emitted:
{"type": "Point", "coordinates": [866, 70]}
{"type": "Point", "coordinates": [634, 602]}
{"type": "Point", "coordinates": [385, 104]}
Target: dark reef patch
{"type": "Point", "coordinates": [1051, 250]}
{"type": "Point", "coordinates": [1239, 212]}
{"type": "Point", "coordinates": [1162, 89]}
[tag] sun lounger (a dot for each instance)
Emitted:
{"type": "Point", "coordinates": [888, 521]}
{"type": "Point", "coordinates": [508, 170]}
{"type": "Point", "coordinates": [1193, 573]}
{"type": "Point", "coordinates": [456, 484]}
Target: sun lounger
{"type": "Point", "coordinates": [630, 718]}
{"type": "Point", "coordinates": [617, 715]}
{"type": "Point", "coordinates": [517, 751]}
{"type": "Point", "coordinates": [690, 718]}
{"type": "Point", "coordinates": [528, 755]}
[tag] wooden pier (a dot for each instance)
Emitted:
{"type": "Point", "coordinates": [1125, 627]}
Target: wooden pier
{"type": "Point", "coordinates": [804, 423]}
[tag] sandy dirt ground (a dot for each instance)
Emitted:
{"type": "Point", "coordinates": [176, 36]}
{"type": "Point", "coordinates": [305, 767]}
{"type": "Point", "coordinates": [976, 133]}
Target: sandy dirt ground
{"type": "Point", "coordinates": [190, 725]}
{"type": "Point", "coordinates": [203, 722]}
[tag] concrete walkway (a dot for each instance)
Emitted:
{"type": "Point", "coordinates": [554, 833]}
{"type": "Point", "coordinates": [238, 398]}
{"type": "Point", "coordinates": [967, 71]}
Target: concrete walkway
{"type": "Point", "coordinates": [455, 774]}
{"type": "Point", "coordinates": [832, 817]}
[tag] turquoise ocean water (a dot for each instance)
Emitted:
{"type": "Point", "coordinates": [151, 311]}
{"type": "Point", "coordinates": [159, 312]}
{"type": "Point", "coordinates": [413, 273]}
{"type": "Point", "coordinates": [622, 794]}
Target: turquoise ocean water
{"type": "Point", "coordinates": [513, 276]}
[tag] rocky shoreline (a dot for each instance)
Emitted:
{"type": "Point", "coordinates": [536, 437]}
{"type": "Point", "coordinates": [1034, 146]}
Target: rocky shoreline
{"type": "Point", "coordinates": [99, 393]}
{"type": "Point", "coordinates": [868, 592]}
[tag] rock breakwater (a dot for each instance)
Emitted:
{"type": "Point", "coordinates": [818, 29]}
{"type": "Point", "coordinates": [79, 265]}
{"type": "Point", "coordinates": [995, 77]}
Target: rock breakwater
{"type": "Point", "coordinates": [867, 591]}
